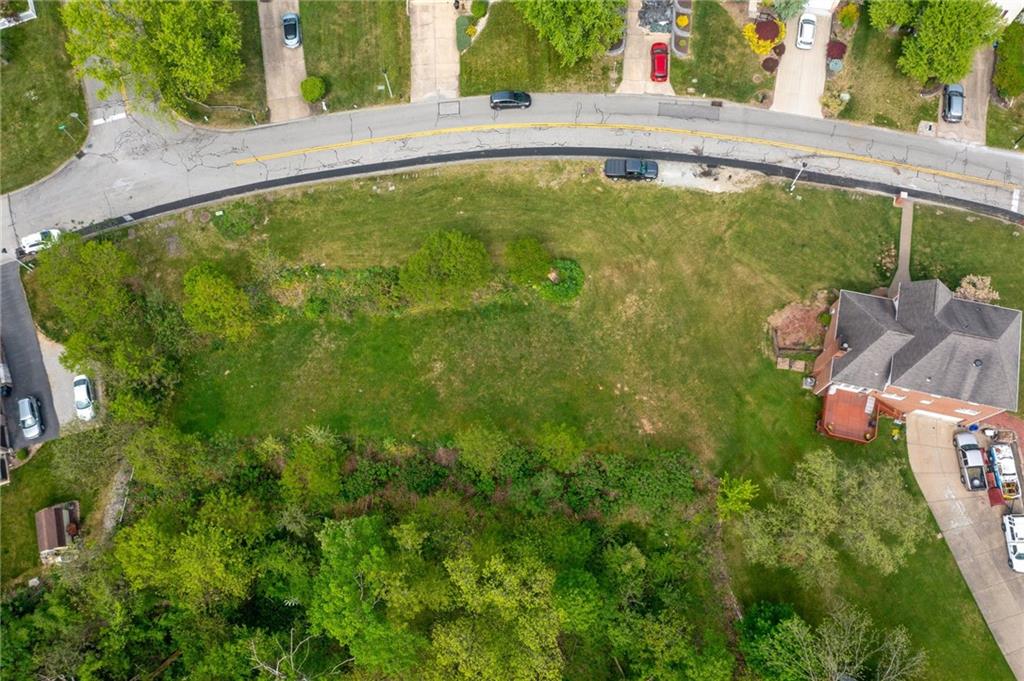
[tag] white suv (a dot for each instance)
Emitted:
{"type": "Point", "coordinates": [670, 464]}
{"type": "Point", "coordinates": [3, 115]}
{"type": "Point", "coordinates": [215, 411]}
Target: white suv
{"type": "Point", "coordinates": [1013, 528]}
{"type": "Point", "coordinates": [33, 243]}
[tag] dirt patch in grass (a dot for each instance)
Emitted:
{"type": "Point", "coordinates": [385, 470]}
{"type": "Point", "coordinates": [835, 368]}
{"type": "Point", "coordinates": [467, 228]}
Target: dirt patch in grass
{"type": "Point", "coordinates": [798, 325]}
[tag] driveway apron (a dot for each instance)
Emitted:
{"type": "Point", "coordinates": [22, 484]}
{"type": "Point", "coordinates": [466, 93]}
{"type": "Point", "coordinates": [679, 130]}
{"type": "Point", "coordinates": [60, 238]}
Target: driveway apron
{"type": "Point", "coordinates": [284, 68]}
{"type": "Point", "coordinates": [435, 55]}
{"type": "Point", "coordinates": [972, 532]}
{"type": "Point", "coordinates": [800, 80]}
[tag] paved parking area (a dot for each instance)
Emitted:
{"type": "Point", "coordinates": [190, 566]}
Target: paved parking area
{"type": "Point", "coordinates": [60, 380]}
{"type": "Point", "coordinates": [976, 95]}
{"type": "Point", "coordinates": [21, 350]}
{"type": "Point", "coordinates": [284, 68]}
{"type": "Point", "coordinates": [435, 55]}
{"type": "Point", "coordinates": [636, 61]}
{"type": "Point", "coordinates": [972, 531]}
{"type": "Point", "coordinates": [800, 80]}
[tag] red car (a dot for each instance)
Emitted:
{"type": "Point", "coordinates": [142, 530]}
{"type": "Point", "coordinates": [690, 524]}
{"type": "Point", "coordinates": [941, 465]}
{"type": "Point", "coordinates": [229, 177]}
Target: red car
{"type": "Point", "coordinates": [659, 62]}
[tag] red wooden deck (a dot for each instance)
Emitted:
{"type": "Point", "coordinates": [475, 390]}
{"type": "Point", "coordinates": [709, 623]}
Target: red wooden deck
{"type": "Point", "coordinates": [847, 416]}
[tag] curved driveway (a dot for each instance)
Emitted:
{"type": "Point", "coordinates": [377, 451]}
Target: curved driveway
{"type": "Point", "coordinates": [138, 162]}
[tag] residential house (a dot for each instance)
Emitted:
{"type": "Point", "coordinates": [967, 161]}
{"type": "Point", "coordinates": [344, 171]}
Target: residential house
{"type": "Point", "coordinates": [56, 528]}
{"type": "Point", "coordinates": [920, 351]}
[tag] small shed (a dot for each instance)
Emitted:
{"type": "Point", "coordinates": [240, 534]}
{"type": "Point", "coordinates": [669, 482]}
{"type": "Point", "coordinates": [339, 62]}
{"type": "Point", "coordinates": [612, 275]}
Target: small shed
{"type": "Point", "coordinates": [56, 528]}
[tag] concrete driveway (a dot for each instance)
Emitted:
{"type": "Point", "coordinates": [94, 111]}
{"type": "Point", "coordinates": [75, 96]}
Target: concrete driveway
{"type": "Point", "coordinates": [972, 530]}
{"type": "Point", "coordinates": [284, 68]}
{"type": "Point", "coordinates": [976, 96]}
{"type": "Point", "coordinates": [60, 380]}
{"type": "Point", "coordinates": [435, 55]}
{"type": "Point", "coordinates": [636, 61]}
{"type": "Point", "coordinates": [800, 80]}
{"type": "Point", "coordinates": [21, 350]}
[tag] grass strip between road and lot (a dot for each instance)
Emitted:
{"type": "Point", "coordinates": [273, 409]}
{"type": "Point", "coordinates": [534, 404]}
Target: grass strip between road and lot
{"type": "Point", "coordinates": [508, 54]}
{"type": "Point", "coordinates": [351, 44]}
{"type": "Point", "coordinates": [38, 95]}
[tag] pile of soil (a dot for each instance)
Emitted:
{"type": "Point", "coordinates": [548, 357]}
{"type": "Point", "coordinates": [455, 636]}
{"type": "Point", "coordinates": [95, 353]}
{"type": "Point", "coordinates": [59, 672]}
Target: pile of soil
{"type": "Point", "coordinates": [798, 325]}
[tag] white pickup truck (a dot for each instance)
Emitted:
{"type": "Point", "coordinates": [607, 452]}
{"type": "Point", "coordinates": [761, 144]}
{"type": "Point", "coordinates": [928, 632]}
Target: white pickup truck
{"type": "Point", "coordinates": [1013, 528]}
{"type": "Point", "coordinates": [972, 461]}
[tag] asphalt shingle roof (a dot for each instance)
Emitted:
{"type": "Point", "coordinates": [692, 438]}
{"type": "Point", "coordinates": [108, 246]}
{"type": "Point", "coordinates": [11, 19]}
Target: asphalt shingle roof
{"type": "Point", "coordinates": [928, 340]}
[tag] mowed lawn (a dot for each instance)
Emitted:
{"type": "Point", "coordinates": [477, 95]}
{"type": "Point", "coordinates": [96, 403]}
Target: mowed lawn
{"type": "Point", "coordinates": [38, 92]}
{"type": "Point", "coordinates": [33, 487]}
{"type": "Point", "coordinates": [350, 44]}
{"type": "Point", "coordinates": [1006, 126]}
{"type": "Point", "coordinates": [879, 92]}
{"type": "Point", "coordinates": [245, 101]}
{"type": "Point", "coordinates": [664, 348]}
{"type": "Point", "coordinates": [508, 54]}
{"type": "Point", "coordinates": [721, 62]}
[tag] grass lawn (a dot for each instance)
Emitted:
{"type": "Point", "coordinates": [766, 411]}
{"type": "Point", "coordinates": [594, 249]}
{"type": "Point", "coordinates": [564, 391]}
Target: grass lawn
{"type": "Point", "coordinates": [879, 92]}
{"type": "Point", "coordinates": [34, 486]}
{"type": "Point", "coordinates": [721, 61]}
{"type": "Point", "coordinates": [664, 348]}
{"type": "Point", "coordinates": [1005, 126]}
{"type": "Point", "coordinates": [39, 91]}
{"type": "Point", "coordinates": [509, 54]}
{"type": "Point", "coordinates": [348, 44]}
{"type": "Point", "coordinates": [249, 93]}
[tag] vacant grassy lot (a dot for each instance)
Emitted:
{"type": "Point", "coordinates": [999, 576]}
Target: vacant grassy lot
{"type": "Point", "coordinates": [879, 92]}
{"type": "Point", "coordinates": [349, 44]}
{"type": "Point", "coordinates": [665, 346]}
{"type": "Point", "coordinates": [34, 486]}
{"type": "Point", "coordinates": [39, 92]}
{"type": "Point", "coordinates": [249, 93]}
{"type": "Point", "coordinates": [508, 54]}
{"type": "Point", "coordinates": [721, 61]}
{"type": "Point", "coordinates": [1005, 126]}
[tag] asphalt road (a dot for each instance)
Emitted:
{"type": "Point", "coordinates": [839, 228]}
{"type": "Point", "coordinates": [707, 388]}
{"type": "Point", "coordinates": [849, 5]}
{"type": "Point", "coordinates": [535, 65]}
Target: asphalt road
{"type": "Point", "coordinates": [21, 349]}
{"type": "Point", "coordinates": [138, 162]}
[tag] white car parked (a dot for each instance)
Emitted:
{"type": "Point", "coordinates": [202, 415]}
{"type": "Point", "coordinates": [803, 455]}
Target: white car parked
{"type": "Point", "coordinates": [1013, 528]}
{"type": "Point", "coordinates": [805, 31]}
{"type": "Point", "coordinates": [83, 398]}
{"type": "Point", "coordinates": [40, 241]}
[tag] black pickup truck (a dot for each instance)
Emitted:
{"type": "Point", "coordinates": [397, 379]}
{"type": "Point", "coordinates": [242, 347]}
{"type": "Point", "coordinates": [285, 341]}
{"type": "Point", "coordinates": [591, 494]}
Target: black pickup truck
{"type": "Point", "coordinates": [630, 169]}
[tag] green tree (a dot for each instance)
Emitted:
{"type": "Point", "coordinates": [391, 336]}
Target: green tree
{"type": "Point", "coordinates": [528, 262]}
{"type": "Point", "coordinates": [561, 446]}
{"type": "Point", "coordinates": [946, 35]}
{"type": "Point", "coordinates": [866, 508]}
{"type": "Point", "coordinates": [166, 51]}
{"type": "Point", "coordinates": [734, 496]}
{"type": "Point", "coordinates": [1009, 73]}
{"type": "Point", "coordinates": [884, 14]}
{"type": "Point", "coordinates": [311, 478]}
{"type": "Point", "coordinates": [482, 448]}
{"type": "Point", "coordinates": [215, 306]}
{"type": "Point", "coordinates": [576, 29]}
{"type": "Point", "coordinates": [509, 627]}
{"type": "Point", "coordinates": [787, 9]}
{"type": "Point", "coordinates": [175, 463]}
{"type": "Point", "coordinates": [447, 268]}
{"type": "Point", "coordinates": [210, 567]}
{"type": "Point", "coordinates": [349, 597]}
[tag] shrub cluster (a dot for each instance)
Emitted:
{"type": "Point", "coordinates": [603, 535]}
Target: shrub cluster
{"type": "Point", "coordinates": [313, 89]}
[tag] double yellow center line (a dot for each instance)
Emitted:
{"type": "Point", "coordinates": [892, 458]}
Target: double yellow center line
{"type": "Point", "coordinates": [498, 127]}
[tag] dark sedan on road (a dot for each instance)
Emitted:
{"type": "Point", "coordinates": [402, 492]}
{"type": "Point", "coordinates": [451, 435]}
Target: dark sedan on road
{"type": "Point", "coordinates": [511, 99]}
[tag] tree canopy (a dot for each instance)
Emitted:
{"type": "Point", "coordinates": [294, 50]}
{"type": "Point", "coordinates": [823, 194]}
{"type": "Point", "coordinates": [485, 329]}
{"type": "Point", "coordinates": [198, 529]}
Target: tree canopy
{"type": "Point", "coordinates": [165, 51]}
{"type": "Point", "coordinates": [576, 29]}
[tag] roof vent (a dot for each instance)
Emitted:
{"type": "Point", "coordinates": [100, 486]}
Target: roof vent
{"type": "Point", "coordinates": [978, 362]}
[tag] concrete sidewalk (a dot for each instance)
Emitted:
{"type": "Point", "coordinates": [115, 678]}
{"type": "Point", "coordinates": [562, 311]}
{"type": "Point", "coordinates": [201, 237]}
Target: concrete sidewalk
{"type": "Point", "coordinates": [284, 68]}
{"type": "Point", "coordinates": [636, 62]}
{"type": "Point", "coordinates": [435, 55]}
{"type": "Point", "coordinates": [972, 531]}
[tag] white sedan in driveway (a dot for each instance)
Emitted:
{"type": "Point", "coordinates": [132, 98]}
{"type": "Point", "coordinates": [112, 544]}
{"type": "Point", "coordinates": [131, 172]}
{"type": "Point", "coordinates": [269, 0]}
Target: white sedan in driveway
{"type": "Point", "coordinates": [82, 388]}
{"type": "Point", "coordinates": [805, 31]}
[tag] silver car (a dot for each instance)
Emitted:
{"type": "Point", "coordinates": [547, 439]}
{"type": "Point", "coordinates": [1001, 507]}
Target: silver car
{"type": "Point", "coordinates": [292, 31]}
{"type": "Point", "coordinates": [82, 388]}
{"type": "Point", "coordinates": [29, 419]}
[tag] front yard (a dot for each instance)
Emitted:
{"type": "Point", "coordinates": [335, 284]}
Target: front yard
{"type": "Point", "coordinates": [351, 44]}
{"type": "Point", "coordinates": [39, 92]}
{"type": "Point", "coordinates": [879, 92]}
{"type": "Point", "coordinates": [508, 54]}
{"type": "Point", "coordinates": [1005, 126]}
{"type": "Point", "coordinates": [663, 349]}
{"type": "Point", "coordinates": [245, 102]}
{"type": "Point", "coordinates": [722, 64]}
